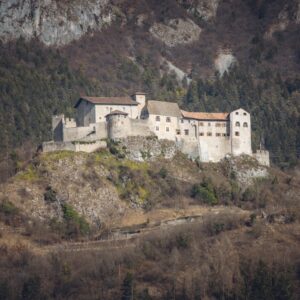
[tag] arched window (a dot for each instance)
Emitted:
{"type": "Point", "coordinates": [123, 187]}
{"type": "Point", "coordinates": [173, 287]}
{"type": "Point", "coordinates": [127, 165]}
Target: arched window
{"type": "Point", "coordinates": [245, 124]}
{"type": "Point", "coordinates": [237, 124]}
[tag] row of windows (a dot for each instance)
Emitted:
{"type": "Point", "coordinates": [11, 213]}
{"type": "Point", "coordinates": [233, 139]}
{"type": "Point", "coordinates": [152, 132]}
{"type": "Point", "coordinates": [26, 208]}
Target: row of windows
{"type": "Point", "coordinates": [210, 134]}
{"type": "Point", "coordinates": [238, 124]}
{"type": "Point", "coordinates": [110, 108]}
{"type": "Point", "coordinates": [168, 119]}
{"type": "Point", "coordinates": [237, 113]}
{"type": "Point", "coordinates": [186, 132]}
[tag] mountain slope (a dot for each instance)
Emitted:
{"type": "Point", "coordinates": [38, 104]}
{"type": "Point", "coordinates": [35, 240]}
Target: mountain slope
{"type": "Point", "coordinates": [245, 39]}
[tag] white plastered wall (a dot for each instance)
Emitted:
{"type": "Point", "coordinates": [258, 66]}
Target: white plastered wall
{"type": "Point", "coordinates": [240, 135]}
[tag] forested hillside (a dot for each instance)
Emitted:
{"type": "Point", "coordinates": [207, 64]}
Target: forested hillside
{"type": "Point", "coordinates": [128, 55]}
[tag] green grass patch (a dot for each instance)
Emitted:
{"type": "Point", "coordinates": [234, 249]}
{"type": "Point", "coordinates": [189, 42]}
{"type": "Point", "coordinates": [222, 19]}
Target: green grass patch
{"type": "Point", "coordinates": [57, 155]}
{"type": "Point", "coordinates": [30, 174]}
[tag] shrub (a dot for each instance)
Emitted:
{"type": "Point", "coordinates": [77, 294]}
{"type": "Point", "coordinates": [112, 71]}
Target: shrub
{"type": "Point", "coordinates": [163, 172]}
{"type": "Point", "coordinates": [8, 208]}
{"type": "Point", "coordinates": [50, 195]}
{"type": "Point", "coordinates": [204, 194]}
{"type": "Point", "coordinates": [75, 222]}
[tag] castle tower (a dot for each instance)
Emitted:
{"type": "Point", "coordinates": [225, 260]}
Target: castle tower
{"type": "Point", "coordinates": [118, 125]}
{"type": "Point", "coordinates": [141, 99]}
{"type": "Point", "coordinates": [240, 132]}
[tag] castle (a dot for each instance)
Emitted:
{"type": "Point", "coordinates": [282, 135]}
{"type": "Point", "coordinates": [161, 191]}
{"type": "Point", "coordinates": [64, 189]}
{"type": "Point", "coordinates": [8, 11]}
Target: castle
{"type": "Point", "coordinates": [207, 136]}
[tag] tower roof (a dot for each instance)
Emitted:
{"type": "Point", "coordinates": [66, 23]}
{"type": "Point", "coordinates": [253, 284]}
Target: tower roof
{"type": "Point", "coordinates": [117, 112]}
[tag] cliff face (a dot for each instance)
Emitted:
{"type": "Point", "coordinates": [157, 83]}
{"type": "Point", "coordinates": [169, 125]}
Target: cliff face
{"type": "Point", "coordinates": [53, 22]}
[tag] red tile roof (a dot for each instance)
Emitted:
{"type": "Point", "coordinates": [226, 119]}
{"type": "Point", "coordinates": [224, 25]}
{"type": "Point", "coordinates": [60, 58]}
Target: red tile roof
{"type": "Point", "coordinates": [205, 116]}
{"type": "Point", "coordinates": [108, 100]}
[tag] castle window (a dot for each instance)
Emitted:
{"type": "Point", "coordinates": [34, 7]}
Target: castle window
{"type": "Point", "coordinates": [223, 124]}
{"type": "Point", "coordinates": [245, 114]}
{"type": "Point", "coordinates": [178, 131]}
{"type": "Point", "coordinates": [182, 121]}
{"type": "Point", "coordinates": [245, 124]}
{"type": "Point", "coordinates": [201, 133]}
{"type": "Point", "coordinates": [237, 133]}
{"type": "Point", "coordinates": [123, 108]}
{"type": "Point", "coordinates": [201, 124]}
{"type": "Point", "coordinates": [237, 124]}
{"type": "Point", "coordinates": [218, 134]}
{"type": "Point", "coordinates": [237, 113]}
{"type": "Point", "coordinates": [218, 125]}
{"type": "Point", "coordinates": [224, 134]}
{"type": "Point", "coordinates": [186, 132]}
{"type": "Point", "coordinates": [208, 124]}
{"type": "Point", "coordinates": [167, 129]}
{"type": "Point", "coordinates": [157, 118]}
{"type": "Point", "coordinates": [168, 119]}
{"type": "Point", "coordinates": [157, 128]}
{"type": "Point", "coordinates": [209, 134]}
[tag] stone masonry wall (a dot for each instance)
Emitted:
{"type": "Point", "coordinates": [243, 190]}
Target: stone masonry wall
{"type": "Point", "coordinates": [147, 148]}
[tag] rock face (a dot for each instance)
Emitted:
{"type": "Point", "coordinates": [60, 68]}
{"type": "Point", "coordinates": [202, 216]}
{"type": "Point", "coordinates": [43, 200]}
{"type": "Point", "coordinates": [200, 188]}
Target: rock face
{"type": "Point", "coordinates": [176, 32]}
{"type": "Point", "coordinates": [202, 9]}
{"type": "Point", "coordinates": [246, 170]}
{"type": "Point", "coordinates": [53, 22]}
{"type": "Point", "coordinates": [289, 14]}
{"type": "Point", "coordinates": [224, 61]}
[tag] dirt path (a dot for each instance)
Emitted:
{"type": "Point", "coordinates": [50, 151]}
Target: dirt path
{"type": "Point", "coordinates": [128, 236]}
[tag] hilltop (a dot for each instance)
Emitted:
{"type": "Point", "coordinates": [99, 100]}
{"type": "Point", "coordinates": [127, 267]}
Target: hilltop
{"type": "Point", "coordinates": [165, 208]}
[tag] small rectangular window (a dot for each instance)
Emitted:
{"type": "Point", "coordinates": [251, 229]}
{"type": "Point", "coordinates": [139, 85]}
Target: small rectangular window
{"type": "Point", "coordinates": [201, 133]}
{"type": "Point", "coordinates": [208, 124]}
{"type": "Point", "coordinates": [209, 134]}
{"type": "Point", "coordinates": [157, 128]}
{"type": "Point", "coordinates": [237, 133]}
{"type": "Point", "coordinates": [178, 131]}
{"type": "Point", "coordinates": [218, 125]}
{"type": "Point", "coordinates": [157, 118]}
{"type": "Point", "coordinates": [201, 124]}
{"type": "Point", "coordinates": [168, 119]}
{"type": "Point", "coordinates": [182, 121]}
{"type": "Point", "coordinates": [186, 132]}
{"type": "Point", "coordinates": [224, 134]}
{"type": "Point", "coordinates": [167, 129]}
{"type": "Point", "coordinates": [218, 134]}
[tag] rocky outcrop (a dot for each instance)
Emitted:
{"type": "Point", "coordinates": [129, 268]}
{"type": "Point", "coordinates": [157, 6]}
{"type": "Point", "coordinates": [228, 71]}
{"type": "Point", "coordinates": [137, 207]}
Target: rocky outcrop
{"type": "Point", "coordinates": [53, 22]}
{"type": "Point", "coordinates": [224, 61]}
{"type": "Point", "coordinates": [205, 10]}
{"type": "Point", "coordinates": [176, 32]}
{"type": "Point", "coordinates": [245, 170]}
{"type": "Point", "coordinates": [289, 14]}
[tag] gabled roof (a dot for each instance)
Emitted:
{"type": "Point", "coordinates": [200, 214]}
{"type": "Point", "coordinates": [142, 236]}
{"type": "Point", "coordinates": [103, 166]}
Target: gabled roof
{"type": "Point", "coordinates": [107, 100]}
{"type": "Point", "coordinates": [163, 108]}
{"type": "Point", "coordinates": [117, 112]}
{"type": "Point", "coordinates": [205, 116]}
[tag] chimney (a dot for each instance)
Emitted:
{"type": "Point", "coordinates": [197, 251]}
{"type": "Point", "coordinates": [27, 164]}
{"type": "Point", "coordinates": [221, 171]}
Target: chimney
{"type": "Point", "coordinates": [140, 98]}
